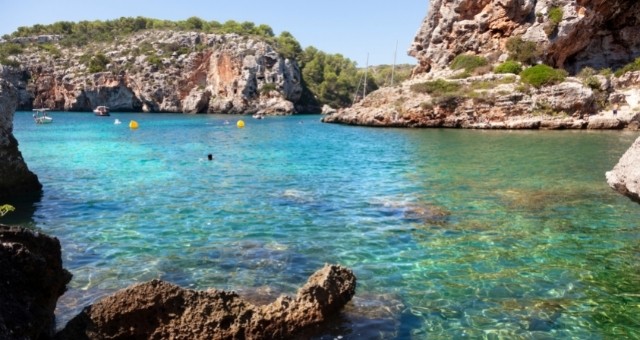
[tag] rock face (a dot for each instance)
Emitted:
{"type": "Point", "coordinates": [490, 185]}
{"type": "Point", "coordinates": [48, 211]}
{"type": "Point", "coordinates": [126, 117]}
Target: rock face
{"type": "Point", "coordinates": [159, 310]}
{"type": "Point", "coordinates": [31, 280]}
{"type": "Point", "coordinates": [161, 71]}
{"type": "Point", "coordinates": [569, 34]}
{"type": "Point", "coordinates": [491, 101]}
{"type": "Point", "coordinates": [625, 176]}
{"type": "Point", "coordinates": [596, 33]}
{"type": "Point", "coordinates": [16, 181]}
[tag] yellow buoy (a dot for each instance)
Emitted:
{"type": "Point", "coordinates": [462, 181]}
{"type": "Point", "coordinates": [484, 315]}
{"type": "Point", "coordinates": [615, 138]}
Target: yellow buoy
{"type": "Point", "coordinates": [133, 124]}
{"type": "Point", "coordinates": [240, 124]}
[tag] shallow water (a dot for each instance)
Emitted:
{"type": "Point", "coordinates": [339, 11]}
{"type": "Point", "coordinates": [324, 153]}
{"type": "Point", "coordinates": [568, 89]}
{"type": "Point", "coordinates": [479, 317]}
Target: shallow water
{"type": "Point", "coordinates": [451, 233]}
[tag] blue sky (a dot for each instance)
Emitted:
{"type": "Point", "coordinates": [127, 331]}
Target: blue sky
{"type": "Point", "coordinates": [353, 28]}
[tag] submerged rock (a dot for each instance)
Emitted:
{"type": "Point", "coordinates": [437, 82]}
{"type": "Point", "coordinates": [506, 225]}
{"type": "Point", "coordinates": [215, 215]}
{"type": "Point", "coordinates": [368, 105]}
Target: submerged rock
{"type": "Point", "coordinates": [16, 181]}
{"type": "Point", "coordinates": [160, 310]}
{"type": "Point", "coordinates": [31, 280]}
{"type": "Point", "coordinates": [625, 176]}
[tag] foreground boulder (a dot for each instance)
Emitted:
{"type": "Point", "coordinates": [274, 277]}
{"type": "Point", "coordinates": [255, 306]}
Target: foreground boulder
{"type": "Point", "coordinates": [16, 181]}
{"type": "Point", "coordinates": [160, 310]}
{"type": "Point", "coordinates": [625, 176]}
{"type": "Point", "coordinates": [31, 280]}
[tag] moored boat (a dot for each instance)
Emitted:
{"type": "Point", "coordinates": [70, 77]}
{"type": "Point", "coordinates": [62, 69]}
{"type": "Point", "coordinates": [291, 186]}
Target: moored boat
{"type": "Point", "coordinates": [101, 111]}
{"type": "Point", "coordinates": [40, 116]}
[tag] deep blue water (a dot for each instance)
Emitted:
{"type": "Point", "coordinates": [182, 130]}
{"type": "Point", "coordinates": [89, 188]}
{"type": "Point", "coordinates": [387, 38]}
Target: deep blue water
{"type": "Point", "coordinates": [451, 233]}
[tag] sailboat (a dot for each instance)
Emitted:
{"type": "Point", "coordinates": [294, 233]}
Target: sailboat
{"type": "Point", "coordinates": [364, 89]}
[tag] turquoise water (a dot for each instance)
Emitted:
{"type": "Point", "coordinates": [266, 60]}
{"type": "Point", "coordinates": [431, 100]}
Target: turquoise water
{"type": "Point", "coordinates": [451, 233]}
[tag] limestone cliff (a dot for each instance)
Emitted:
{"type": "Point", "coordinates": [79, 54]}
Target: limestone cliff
{"type": "Point", "coordinates": [16, 181]}
{"type": "Point", "coordinates": [566, 34]}
{"type": "Point", "coordinates": [625, 176]}
{"type": "Point", "coordinates": [596, 33]}
{"type": "Point", "coordinates": [159, 71]}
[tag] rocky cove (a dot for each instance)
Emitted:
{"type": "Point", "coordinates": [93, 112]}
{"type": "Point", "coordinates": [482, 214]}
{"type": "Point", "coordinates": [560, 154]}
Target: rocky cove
{"type": "Point", "coordinates": [230, 82]}
{"type": "Point", "coordinates": [593, 35]}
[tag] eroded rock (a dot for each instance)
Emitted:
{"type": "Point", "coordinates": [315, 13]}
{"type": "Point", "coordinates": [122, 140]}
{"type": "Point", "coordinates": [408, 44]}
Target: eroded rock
{"type": "Point", "coordinates": [625, 176]}
{"type": "Point", "coordinates": [31, 280]}
{"type": "Point", "coordinates": [16, 181]}
{"type": "Point", "coordinates": [160, 310]}
{"type": "Point", "coordinates": [595, 33]}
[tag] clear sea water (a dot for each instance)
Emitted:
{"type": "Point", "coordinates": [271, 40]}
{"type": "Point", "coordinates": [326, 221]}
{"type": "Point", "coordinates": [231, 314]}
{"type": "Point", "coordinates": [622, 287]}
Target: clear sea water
{"type": "Point", "coordinates": [451, 233]}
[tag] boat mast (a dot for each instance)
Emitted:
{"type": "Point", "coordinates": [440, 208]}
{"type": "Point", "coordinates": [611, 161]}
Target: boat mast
{"type": "Point", "coordinates": [393, 68]}
{"type": "Point", "coordinates": [364, 90]}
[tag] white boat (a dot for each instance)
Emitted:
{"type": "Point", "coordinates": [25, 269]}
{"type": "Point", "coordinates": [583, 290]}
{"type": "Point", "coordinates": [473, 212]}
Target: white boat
{"type": "Point", "coordinates": [40, 116]}
{"type": "Point", "coordinates": [101, 111]}
{"type": "Point", "coordinates": [258, 116]}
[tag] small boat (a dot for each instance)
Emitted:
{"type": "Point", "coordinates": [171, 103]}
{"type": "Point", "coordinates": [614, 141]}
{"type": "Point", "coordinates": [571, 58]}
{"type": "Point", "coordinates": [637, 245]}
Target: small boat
{"type": "Point", "coordinates": [117, 122]}
{"type": "Point", "coordinates": [40, 116]}
{"type": "Point", "coordinates": [258, 116]}
{"type": "Point", "coordinates": [101, 111]}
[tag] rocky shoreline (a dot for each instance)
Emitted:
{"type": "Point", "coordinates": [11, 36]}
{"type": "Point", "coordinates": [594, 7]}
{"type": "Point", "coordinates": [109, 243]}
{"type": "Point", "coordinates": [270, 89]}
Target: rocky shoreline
{"type": "Point", "coordinates": [32, 279]}
{"type": "Point", "coordinates": [495, 101]}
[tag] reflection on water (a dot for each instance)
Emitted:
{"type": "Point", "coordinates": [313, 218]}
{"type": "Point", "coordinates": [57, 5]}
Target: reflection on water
{"type": "Point", "coordinates": [450, 233]}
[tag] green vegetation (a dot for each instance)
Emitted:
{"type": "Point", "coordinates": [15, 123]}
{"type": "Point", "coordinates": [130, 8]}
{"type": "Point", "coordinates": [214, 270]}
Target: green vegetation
{"type": "Point", "coordinates": [9, 49]}
{"type": "Point", "coordinates": [5, 209]}
{"type": "Point", "coordinates": [381, 74]}
{"type": "Point", "coordinates": [523, 51]}
{"type": "Point", "coordinates": [631, 67]}
{"type": "Point", "coordinates": [332, 78]}
{"type": "Point", "coordinates": [509, 66]}
{"type": "Point", "coordinates": [541, 75]}
{"type": "Point", "coordinates": [154, 60]}
{"type": "Point", "coordinates": [98, 63]}
{"type": "Point", "coordinates": [288, 46]}
{"type": "Point", "coordinates": [588, 76]}
{"type": "Point", "coordinates": [51, 49]}
{"type": "Point", "coordinates": [468, 62]}
{"type": "Point", "coordinates": [555, 16]}
{"type": "Point", "coordinates": [84, 32]}
{"type": "Point", "coordinates": [436, 88]}
{"type": "Point", "coordinates": [268, 87]}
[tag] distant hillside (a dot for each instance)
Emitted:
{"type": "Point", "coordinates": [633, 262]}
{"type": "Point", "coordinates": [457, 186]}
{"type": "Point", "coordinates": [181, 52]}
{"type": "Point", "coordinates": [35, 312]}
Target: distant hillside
{"type": "Point", "coordinates": [171, 66]}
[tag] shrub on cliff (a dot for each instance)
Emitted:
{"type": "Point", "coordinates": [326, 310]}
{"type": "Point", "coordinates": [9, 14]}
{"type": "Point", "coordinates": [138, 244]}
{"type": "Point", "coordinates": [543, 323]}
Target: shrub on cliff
{"type": "Point", "coordinates": [468, 62]}
{"type": "Point", "coordinates": [436, 88]}
{"type": "Point", "coordinates": [523, 51]}
{"type": "Point", "coordinates": [509, 66]}
{"type": "Point", "coordinates": [98, 63]}
{"type": "Point", "coordinates": [541, 75]}
{"type": "Point", "coordinates": [631, 67]}
{"type": "Point", "coordinates": [9, 49]}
